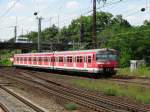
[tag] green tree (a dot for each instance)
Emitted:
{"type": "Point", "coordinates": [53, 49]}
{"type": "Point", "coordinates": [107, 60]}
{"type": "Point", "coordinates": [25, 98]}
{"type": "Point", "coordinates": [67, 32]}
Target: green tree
{"type": "Point", "coordinates": [125, 57]}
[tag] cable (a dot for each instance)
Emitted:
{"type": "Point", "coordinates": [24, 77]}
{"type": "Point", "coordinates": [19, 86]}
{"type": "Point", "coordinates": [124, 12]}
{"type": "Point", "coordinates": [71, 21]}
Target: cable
{"type": "Point", "coordinates": [107, 4]}
{"type": "Point", "coordinates": [87, 12]}
{"type": "Point", "coordinates": [8, 10]}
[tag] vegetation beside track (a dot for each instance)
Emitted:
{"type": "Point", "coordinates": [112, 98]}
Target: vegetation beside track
{"type": "Point", "coordinates": [71, 106]}
{"type": "Point", "coordinates": [134, 92]}
{"type": "Point", "coordinates": [141, 72]}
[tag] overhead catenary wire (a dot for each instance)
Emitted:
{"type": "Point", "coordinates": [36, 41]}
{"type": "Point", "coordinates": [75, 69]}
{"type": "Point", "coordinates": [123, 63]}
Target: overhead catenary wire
{"type": "Point", "coordinates": [9, 9]}
{"type": "Point", "coordinates": [88, 12]}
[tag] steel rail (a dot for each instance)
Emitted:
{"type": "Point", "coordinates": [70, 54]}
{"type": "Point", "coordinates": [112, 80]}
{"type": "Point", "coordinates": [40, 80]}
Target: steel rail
{"type": "Point", "coordinates": [4, 108]}
{"type": "Point", "coordinates": [121, 105]}
{"type": "Point", "coordinates": [71, 97]}
{"type": "Point", "coordinates": [59, 87]}
{"type": "Point", "coordinates": [34, 107]}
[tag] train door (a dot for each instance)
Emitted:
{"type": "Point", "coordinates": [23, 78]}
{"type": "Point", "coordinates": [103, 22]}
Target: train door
{"type": "Point", "coordinates": [29, 60]}
{"type": "Point", "coordinates": [80, 62]}
{"type": "Point", "coordinates": [61, 61]}
{"type": "Point", "coordinates": [46, 61]}
{"type": "Point", "coordinates": [22, 60]}
{"type": "Point", "coordinates": [53, 62]}
{"type": "Point", "coordinates": [89, 61]}
{"type": "Point", "coordinates": [40, 60]}
{"type": "Point", "coordinates": [69, 61]}
{"type": "Point", "coordinates": [34, 60]}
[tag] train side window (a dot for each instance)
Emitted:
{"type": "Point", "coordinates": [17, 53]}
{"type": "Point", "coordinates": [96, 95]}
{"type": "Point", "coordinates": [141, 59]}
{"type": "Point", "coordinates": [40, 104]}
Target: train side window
{"type": "Point", "coordinates": [89, 59]}
{"type": "Point", "coordinates": [40, 59]}
{"type": "Point", "coordinates": [78, 59]}
{"type": "Point", "coordinates": [69, 59]}
{"type": "Point", "coordinates": [53, 59]}
{"type": "Point", "coordinates": [30, 59]}
{"type": "Point", "coordinates": [25, 59]}
{"type": "Point", "coordinates": [45, 59]}
{"type": "Point", "coordinates": [60, 59]}
{"type": "Point", "coordinates": [81, 60]}
{"type": "Point", "coordinates": [34, 59]}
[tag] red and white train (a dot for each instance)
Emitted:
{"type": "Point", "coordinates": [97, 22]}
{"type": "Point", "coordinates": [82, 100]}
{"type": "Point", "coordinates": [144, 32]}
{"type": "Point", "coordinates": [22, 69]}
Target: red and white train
{"type": "Point", "coordinates": [90, 61]}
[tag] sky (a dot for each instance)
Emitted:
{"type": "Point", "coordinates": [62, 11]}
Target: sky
{"type": "Point", "coordinates": [61, 13]}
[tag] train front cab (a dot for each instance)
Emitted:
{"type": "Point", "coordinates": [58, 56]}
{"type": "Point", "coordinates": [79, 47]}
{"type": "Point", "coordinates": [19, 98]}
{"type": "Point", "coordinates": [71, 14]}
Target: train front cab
{"type": "Point", "coordinates": [107, 62]}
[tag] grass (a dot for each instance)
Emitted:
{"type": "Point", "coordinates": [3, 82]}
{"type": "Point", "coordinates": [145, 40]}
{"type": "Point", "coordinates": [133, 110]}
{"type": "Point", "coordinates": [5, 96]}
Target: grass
{"type": "Point", "coordinates": [71, 106]}
{"type": "Point", "coordinates": [134, 92]}
{"type": "Point", "coordinates": [5, 62]}
{"type": "Point", "coordinates": [142, 72]}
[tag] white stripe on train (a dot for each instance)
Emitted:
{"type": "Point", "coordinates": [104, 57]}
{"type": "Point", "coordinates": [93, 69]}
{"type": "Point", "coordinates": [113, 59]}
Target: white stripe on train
{"type": "Point", "coordinates": [90, 70]}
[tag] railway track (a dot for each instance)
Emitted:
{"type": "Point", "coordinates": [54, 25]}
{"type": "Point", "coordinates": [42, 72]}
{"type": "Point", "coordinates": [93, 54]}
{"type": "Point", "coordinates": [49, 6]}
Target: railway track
{"type": "Point", "coordinates": [4, 108]}
{"type": "Point", "coordinates": [122, 80]}
{"type": "Point", "coordinates": [80, 96]}
{"type": "Point", "coordinates": [23, 100]}
{"type": "Point", "coordinates": [69, 97]}
{"type": "Point", "coordinates": [129, 107]}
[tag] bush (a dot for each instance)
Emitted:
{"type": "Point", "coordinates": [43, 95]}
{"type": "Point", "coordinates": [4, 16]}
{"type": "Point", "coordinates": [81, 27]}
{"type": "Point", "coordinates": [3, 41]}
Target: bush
{"type": "Point", "coordinates": [142, 71]}
{"type": "Point", "coordinates": [71, 106]}
{"type": "Point", "coordinates": [110, 92]}
{"type": "Point", "coordinates": [5, 62]}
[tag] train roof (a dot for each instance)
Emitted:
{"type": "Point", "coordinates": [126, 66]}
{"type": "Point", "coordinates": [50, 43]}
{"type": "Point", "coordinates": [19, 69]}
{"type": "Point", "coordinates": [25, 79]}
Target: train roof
{"type": "Point", "coordinates": [59, 52]}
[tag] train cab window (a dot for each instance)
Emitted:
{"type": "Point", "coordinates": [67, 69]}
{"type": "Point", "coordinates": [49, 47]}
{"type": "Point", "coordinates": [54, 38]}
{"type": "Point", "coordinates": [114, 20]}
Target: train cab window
{"type": "Point", "coordinates": [89, 59]}
{"type": "Point", "coordinates": [107, 55]}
